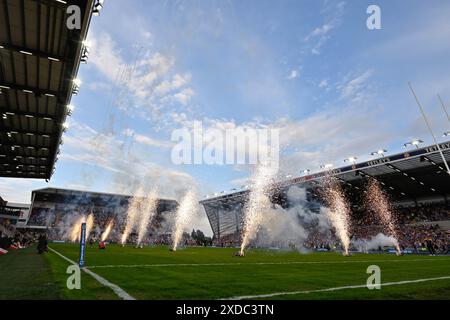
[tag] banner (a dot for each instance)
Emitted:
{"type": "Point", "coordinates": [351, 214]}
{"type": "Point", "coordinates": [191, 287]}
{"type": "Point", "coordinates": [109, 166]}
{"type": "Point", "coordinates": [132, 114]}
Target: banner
{"type": "Point", "coordinates": [82, 245]}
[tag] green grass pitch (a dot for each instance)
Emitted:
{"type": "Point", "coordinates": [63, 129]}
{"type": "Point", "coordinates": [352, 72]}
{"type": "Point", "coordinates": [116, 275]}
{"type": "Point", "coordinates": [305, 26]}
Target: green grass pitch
{"type": "Point", "coordinates": [214, 273]}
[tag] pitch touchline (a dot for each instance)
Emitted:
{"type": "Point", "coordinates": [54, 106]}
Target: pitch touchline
{"type": "Point", "coordinates": [117, 290]}
{"type": "Point", "coordinates": [269, 295]}
{"type": "Point", "coordinates": [250, 263]}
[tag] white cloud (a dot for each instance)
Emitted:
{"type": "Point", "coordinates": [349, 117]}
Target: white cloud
{"type": "Point", "coordinates": [145, 86]}
{"type": "Point", "coordinates": [104, 55]}
{"type": "Point", "coordinates": [321, 34]}
{"type": "Point", "coordinates": [151, 142]}
{"type": "Point", "coordinates": [320, 31]}
{"type": "Point", "coordinates": [18, 190]}
{"type": "Point", "coordinates": [354, 89]}
{"type": "Point", "coordinates": [99, 86]}
{"type": "Point", "coordinates": [425, 37]}
{"type": "Point", "coordinates": [324, 137]}
{"type": "Point", "coordinates": [96, 150]}
{"type": "Point", "coordinates": [323, 83]}
{"type": "Point", "coordinates": [144, 139]}
{"type": "Point", "coordinates": [147, 35]}
{"type": "Point", "coordinates": [178, 81]}
{"type": "Point", "coordinates": [293, 75]}
{"type": "Point", "coordinates": [184, 97]}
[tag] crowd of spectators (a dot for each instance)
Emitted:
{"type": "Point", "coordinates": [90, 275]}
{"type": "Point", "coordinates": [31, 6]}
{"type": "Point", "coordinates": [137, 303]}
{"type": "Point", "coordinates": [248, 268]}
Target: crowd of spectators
{"type": "Point", "coordinates": [411, 232]}
{"type": "Point", "coordinates": [7, 211]}
{"type": "Point", "coordinates": [6, 226]}
{"type": "Point", "coordinates": [414, 228]}
{"type": "Point", "coordinates": [19, 239]}
{"type": "Point", "coordinates": [423, 213]}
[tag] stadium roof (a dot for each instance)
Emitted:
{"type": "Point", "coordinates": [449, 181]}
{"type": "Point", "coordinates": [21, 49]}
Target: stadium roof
{"type": "Point", "coordinates": [64, 195]}
{"type": "Point", "coordinates": [414, 174]}
{"type": "Point", "coordinates": [39, 59]}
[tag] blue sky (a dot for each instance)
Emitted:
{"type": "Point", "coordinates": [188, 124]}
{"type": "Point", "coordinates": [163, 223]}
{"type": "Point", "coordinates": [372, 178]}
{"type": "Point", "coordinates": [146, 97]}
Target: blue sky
{"type": "Point", "coordinates": [310, 68]}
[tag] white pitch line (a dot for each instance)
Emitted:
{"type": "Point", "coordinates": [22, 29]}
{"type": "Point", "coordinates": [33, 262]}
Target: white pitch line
{"type": "Point", "coordinates": [332, 289]}
{"type": "Point", "coordinates": [253, 263]}
{"type": "Point", "coordinates": [117, 290]}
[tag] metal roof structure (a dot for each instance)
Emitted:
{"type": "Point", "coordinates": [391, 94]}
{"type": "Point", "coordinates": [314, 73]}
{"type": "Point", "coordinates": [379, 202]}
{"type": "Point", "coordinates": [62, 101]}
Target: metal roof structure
{"type": "Point", "coordinates": [58, 195]}
{"type": "Point", "coordinates": [410, 176]}
{"type": "Point", "coordinates": [39, 59]}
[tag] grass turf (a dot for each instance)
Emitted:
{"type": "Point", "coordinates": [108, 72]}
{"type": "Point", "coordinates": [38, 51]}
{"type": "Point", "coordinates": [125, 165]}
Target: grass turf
{"type": "Point", "coordinates": [27, 275]}
{"type": "Point", "coordinates": [249, 275]}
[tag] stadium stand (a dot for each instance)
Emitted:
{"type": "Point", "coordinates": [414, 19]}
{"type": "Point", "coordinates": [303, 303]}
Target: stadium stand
{"type": "Point", "coordinates": [412, 233]}
{"type": "Point", "coordinates": [54, 209]}
{"type": "Point", "coordinates": [10, 216]}
{"type": "Point", "coordinates": [416, 182]}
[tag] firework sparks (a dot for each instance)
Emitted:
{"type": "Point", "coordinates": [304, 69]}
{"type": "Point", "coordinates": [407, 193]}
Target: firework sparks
{"type": "Point", "coordinates": [107, 231]}
{"type": "Point", "coordinates": [185, 212]}
{"type": "Point", "coordinates": [89, 224]}
{"type": "Point", "coordinates": [75, 232]}
{"type": "Point", "coordinates": [132, 214]}
{"type": "Point", "coordinates": [338, 213]}
{"type": "Point", "coordinates": [258, 202]}
{"type": "Point", "coordinates": [379, 203]}
{"type": "Point", "coordinates": [147, 212]}
{"type": "Point", "coordinates": [76, 229]}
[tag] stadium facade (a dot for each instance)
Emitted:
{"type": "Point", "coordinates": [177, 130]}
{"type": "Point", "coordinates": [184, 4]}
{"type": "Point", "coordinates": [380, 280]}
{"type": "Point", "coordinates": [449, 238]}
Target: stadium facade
{"type": "Point", "coordinates": [412, 177]}
{"type": "Point", "coordinates": [12, 215]}
{"type": "Point", "coordinates": [50, 206]}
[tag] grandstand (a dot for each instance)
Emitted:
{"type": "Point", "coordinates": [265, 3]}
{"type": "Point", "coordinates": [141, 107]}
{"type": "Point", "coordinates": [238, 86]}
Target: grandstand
{"type": "Point", "coordinates": [12, 215]}
{"type": "Point", "coordinates": [50, 207]}
{"type": "Point", "coordinates": [39, 60]}
{"type": "Point", "coordinates": [412, 178]}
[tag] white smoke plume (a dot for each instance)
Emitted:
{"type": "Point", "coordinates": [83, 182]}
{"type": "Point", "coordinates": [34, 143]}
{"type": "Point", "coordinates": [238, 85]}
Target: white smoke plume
{"type": "Point", "coordinates": [380, 240]}
{"type": "Point", "coordinates": [281, 228]}
{"type": "Point", "coordinates": [289, 228]}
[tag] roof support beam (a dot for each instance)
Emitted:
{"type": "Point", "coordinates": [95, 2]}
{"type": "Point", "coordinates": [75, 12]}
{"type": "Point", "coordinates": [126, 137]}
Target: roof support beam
{"type": "Point", "coordinates": [408, 175]}
{"type": "Point", "coordinates": [24, 174]}
{"type": "Point", "coordinates": [12, 150]}
{"type": "Point", "coordinates": [60, 4]}
{"type": "Point", "coordinates": [10, 86]}
{"type": "Point", "coordinates": [13, 131]}
{"type": "Point", "coordinates": [30, 52]}
{"type": "Point", "coordinates": [11, 113]}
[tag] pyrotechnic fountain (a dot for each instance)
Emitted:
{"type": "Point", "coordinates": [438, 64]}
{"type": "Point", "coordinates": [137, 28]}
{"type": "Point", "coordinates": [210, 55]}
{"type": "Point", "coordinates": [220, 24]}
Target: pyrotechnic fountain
{"type": "Point", "coordinates": [338, 212]}
{"type": "Point", "coordinates": [258, 201]}
{"type": "Point", "coordinates": [185, 212]}
{"type": "Point", "coordinates": [76, 228]}
{"type": "Point", "coordinates": [107, 231]}
{"type": "Point", "coordinates": [147, 212]}
{"type": "Point", "coordinates": [89, 224]}
{"type": "Point", "coordinates": [379, 203]}
{"type": "Point", "coordinates": [132, 215]}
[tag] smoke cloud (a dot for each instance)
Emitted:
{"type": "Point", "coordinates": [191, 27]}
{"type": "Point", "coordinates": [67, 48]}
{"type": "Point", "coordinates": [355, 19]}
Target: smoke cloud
{"type": "Point", "coordinates": [380, 240]}
{"type": "Point", "coordinates": [289, 228]}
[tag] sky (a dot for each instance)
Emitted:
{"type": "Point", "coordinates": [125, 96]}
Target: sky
{"type": "Point", "coordinates": [311, 69]}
